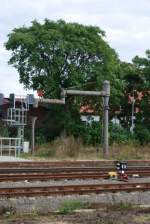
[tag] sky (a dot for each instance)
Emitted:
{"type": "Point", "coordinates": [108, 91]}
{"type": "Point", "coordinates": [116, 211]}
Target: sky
{"type": "Point", "coordinates": [126, 23]}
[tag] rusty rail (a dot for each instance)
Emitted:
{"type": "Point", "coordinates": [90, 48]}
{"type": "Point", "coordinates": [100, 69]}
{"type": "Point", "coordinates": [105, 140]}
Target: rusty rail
{"type": "Point", "coordinates": [72, 163]}
{"type": "Point", "coordinates": [69, 169]}
{"type": "Point", "coordinates": [50, 176]}
{"type": "Point", "coordinates": [57, 173]}
{"type": "Point", "coordinates": [32, 191]}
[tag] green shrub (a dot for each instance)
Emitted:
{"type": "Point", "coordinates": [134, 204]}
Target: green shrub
{"type": "Point", "coordinates": [119, 134]}
{"type": "Point", "coordinates": [142, 134]}
{"type": "Point", "coordinates": [89, 133]}
{"type": "Point", "coordinates": [68, 207]}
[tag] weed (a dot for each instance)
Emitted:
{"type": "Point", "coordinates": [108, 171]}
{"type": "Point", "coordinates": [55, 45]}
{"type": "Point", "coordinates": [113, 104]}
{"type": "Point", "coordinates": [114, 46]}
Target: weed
{"type": "Point", "coordinates": [44, 152]}
{"type": "Point", "coordinates": [107, 221]}
{"type": "Point", "coordinates": [7, 210]}
{"type": "Point", "coordinates": [68, 146]}
{"type": "Point", "coordinates": [122, 206]}
{"type": "Point", "coordinates": [68, 207]}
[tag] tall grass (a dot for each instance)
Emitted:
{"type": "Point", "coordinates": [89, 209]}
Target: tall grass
{"type": "Point", "coordinates": [69, 147]}
{"type": "Point", "coordinates": [60, 148]}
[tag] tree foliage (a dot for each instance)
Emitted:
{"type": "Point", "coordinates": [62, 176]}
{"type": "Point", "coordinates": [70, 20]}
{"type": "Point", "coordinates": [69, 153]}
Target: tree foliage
{"type": "Point", "coordinates": [55, 54]}
{"type": "Point", "coordinates": [137, 86]}
{"type": "Point", "coordinates": [142, 65]}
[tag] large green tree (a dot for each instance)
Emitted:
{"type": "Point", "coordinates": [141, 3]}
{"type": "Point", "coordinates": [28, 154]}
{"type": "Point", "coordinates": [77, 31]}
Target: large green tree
{"type": "Point", "coordinates": [51, 55]}
{"type": "Point", "coordinates": [55, 54]}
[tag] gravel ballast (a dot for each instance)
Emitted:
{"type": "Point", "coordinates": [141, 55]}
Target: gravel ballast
{"type": "Point", "coordinates": [52, 203]}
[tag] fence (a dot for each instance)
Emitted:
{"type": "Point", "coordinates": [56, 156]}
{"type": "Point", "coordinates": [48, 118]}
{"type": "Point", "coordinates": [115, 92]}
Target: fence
{"type": "Point", "coordinates": [10, 146]}
{"type": "Point", "coordinates": [16, 116]}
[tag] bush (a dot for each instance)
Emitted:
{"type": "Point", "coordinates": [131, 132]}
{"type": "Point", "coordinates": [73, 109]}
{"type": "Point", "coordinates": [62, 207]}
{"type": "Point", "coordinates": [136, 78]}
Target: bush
{"type": "Point", "coordinates": [40, 139]}
{"type": "Point", "coordinates": [119, 134]}
{"type": "Point", "coordinates": [89, 133]}
{"type": "Point", "coordinates": [142, 134]}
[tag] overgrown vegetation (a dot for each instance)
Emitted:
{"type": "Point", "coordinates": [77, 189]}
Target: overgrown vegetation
{"type": "Point", "coordinates": [72, 148]}
{"type": "Point", "coordinates": [60, 147]}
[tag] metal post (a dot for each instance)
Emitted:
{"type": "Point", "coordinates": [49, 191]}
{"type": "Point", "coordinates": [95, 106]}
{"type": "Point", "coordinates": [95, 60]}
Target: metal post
{"type": "Point", "coordinates": [1, 145]}
{"type": "Point", "coordinates": [15, 148]}
{"type": "Point", "coordinates": [132, 115]}
{"type": "Point", "coordinates": [106, 89]}
{"type": "Point", "coordinates": [9, 142]}
{"type": "Point", "coordinates": [33, 120]}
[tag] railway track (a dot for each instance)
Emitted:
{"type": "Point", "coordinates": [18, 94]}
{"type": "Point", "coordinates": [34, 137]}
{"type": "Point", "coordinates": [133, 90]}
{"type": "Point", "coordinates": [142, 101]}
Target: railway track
{"type": "Point", "coordinates": [50, 176]}
{"type": "Point", "coordinates": [72, 163]}
{"type": "Point", "coordinates": [35, 175]}
{"type": "Point", "coordinates": [69, 169]}
{"type": "Point", "coordinates": [44, 171]}
{"type": "Point", "coordinates": [32, 191]}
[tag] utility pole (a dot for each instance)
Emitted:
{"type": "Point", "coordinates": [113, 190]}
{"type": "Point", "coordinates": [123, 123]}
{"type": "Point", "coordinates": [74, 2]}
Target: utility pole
{"type": "Point", "coordinates": [132, 117]}
{"type": "Point", "coordinates": [106, 89]}
{"type": "Point", "coordinates": [132, 101]}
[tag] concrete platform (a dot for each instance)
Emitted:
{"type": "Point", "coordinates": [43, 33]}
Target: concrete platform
{"type": "Point", "coordinates": [11, 159]}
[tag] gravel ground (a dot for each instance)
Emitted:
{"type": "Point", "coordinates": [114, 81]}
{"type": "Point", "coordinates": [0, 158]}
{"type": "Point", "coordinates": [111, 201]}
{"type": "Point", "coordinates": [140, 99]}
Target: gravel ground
{"type": "Point", "coordinates": [103, 216]}
{"type": "Point", "coordinates": [67, 182]}
{"type": "Point", "coordinates": [49, 204]}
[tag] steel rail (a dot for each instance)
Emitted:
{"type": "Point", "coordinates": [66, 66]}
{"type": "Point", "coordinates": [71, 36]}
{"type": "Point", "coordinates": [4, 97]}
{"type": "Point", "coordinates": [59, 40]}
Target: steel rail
{"type": "Point", "coordinates": [53, 169]}
{"type": "Point", "coordinates": [32, 191]}
{"type": "Point", "coordinates": [69, 169]}
{"type": "Point", "coordinates": [46, 177]}
{"type": "Point", "coordinates": [71, 163]}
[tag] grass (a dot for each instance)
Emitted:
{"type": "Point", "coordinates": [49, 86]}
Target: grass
{"type": "Point", "coordinates": [122, 206]}
{"type": "Point", "coordinates": [73, 149]}
{"type": "Point", "coordinates": [67, 207]}
{"type": "Point", "coordinates": [142, 219]}
{"type": "Point", "coordinates": [46, 152]}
